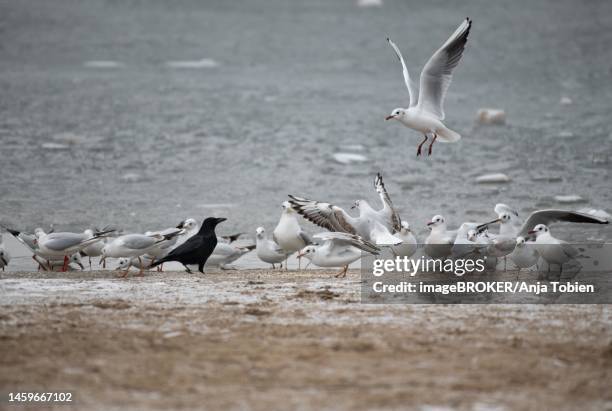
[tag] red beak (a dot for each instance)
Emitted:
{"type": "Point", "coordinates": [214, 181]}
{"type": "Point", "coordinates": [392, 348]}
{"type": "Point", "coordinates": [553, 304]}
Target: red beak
{"type": "Point", "coordinates": [389, 117]}
{"type": "Point", "coordinates": [430, 223]}
{"type": "Point", "coordinates": [531, 232]}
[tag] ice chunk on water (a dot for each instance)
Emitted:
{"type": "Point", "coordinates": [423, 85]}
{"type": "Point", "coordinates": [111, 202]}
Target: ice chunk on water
{"type": "Point", "coordinates": [571, 198]}
{"type": "Point", "coordinates": [493, 178]}
{"type": "Point", "coordinates": [369, 3]}
{"type": "Point", "coordinates": [348, 158]}
{"type": "Point", "coordinates": [565, 100]}
{"type": "Point", "coordinates": [55, 146]}
{"type": "Point", "coordinates": [102, 64]}
{"type": "Point", "coordinates": [491, 116]}
{"type": "Point", "coordinates": [193, 64]}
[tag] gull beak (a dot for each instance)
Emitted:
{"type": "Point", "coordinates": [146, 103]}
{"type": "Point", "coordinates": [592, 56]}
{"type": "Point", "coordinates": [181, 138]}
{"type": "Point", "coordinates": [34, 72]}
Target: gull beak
{"type": "Point", "coordinates": [3, 261]}
{"type": "Point", "coordinates": [80, 264]}
{"type": "Point", "coordinates": [300, 255]}
{"type": "Point", "coordinates": [486, 225]}
{"type": "Point", "coordinates": [353, 207]}
{"type": "Point", "coordinates": [531, 232]}
{"type": "Point", "coordinates": [430, 223]}
{"type": "Point", "coordinates": [389, 117]}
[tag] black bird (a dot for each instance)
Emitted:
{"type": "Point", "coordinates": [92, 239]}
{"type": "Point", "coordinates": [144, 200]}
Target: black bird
{"type": "Point", "coordinates": [197, 248]}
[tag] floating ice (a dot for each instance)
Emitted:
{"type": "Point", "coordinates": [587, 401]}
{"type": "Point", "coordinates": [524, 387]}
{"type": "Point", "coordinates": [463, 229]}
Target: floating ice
{"type": "Point", "coordinates": [102, 64]}
{"type": "Point", "coordinates": [565, 100]}
{"type": "Point", "coordinates": [571, 198]}
{"type": "Point", "coordinates": [348, 158]}
{"type": "Point", "coordinates": [369, 3]}
{"type": "Point", "coordinates": [55, 146]}
{"type": "Point", "coordinates": [491, 116]}
{"type": "Point", "coordinates": [193, 64]}
{"type": "Point", "coordinates": [493, 178]}
{"type": "Point", "coordinates": [566, 134]}
{"type": "Point", "coordinates": [131, 178]}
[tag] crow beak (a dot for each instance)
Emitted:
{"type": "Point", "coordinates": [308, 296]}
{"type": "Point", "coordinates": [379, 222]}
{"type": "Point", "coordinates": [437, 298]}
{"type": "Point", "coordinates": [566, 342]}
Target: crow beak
{"type": "Point", "coordinates": [220, 220]}
{"type": "Point", "coordinates": [389, 117]}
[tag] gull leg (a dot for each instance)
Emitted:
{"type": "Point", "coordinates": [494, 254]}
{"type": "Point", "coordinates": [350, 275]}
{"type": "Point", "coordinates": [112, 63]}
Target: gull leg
{"type": "Point", "coordinates": [421, 145]}
{"type": "Point", "coordinates": [342, 272]}
{"type": "Point", "coordinates": [89, 263]}
{"type": "Point", "coordinates": [273, 266]}
{"type": "Point", "coordinates": [141, 271]}
{"type": "Point", "coordinates": [431, 144]}
{"type": "Point", "coordinates": [65, 265]}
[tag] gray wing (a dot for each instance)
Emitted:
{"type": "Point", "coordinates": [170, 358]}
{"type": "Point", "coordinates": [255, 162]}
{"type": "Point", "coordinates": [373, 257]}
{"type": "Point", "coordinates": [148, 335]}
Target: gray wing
{"type": "Point", "coordinates": [504, 244]}
{"type": "Point", "coordinates": [350, 239]}
{"type": "Point", "coordinates": [409, 84]}
{"type": "Point", "coordinates": [548, 217]}
{"type": "Point", "coordinates": [305, 237]}
{"type": "Point", "coordinates": [438, 72]}
{"type": "Point", "coordinates": [570, 251]}
{"type": "Point", "coordinates": [396, 221]}
{"type": "Point", "coordinates": [62, 241]}
{"type": "Point", "coordinates": [138, 242]}
{"type": "Point", "coordinates": [323, 214]}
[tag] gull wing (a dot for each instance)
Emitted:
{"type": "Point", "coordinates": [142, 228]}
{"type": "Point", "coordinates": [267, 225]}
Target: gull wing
{"type": "Point", "coordinates": [63, 241]}
{"type": "Point", "coordinates": [548, 217]}
{"type": "Point", "coordinates": [390, 211]}
{"type": "Point", "coordinates": [324, 215]}
{"type": "Point", "coordinates": [412, 93]}
{"type": "Point", "coordinates": [438, 72]}
{"type": "Point", "coordinates": [338, 238]}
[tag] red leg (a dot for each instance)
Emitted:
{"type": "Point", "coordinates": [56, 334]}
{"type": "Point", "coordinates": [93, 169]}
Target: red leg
{"type": "Point", "coordinates": [65, 266]}
{"type": "Point", "coordinates": [421, 145]}
{"type": "Point", "coordinates": [432, 143]}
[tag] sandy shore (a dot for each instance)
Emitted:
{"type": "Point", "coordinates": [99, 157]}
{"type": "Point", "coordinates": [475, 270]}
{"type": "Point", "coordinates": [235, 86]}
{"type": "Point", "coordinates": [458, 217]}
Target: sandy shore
{"type": "Point", "coordinates": [266, 340]}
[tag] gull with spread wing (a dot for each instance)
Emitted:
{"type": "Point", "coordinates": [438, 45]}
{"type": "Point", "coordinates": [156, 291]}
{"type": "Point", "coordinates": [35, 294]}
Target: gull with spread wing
{"type": "Point", "coordinates": [426, 112]}
{"type": "Point", "coordinates": [373, 225]}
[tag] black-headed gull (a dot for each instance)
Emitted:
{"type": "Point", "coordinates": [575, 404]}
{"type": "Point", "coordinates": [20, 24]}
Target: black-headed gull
{"type": "Point", "coordinates": [337, 250]}
{"type": "Point", "coordinates": [268, 250]}
{"type": "Point", "coordinates": [372, 225]}
{"type": "Point", "coordinates": [426, 112]}
{"type": "Point", "coordinates": [64, 244]}
{"type": "Point", "coordinates": [525, 254]}
{"type": "Point", "coordinates": [133, 246]}
{"type": "Point", "coordinates": [288, 232]}
{"type": "Point", "coordinates": [551, 249]}
{"type": "Point", "coordinates": [440, 240]}
{"type": "Point", "coordinates": [409, 242]}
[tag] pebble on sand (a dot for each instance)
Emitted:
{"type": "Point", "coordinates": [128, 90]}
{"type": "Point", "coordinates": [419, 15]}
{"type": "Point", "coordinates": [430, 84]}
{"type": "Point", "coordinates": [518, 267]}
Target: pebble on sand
{"type": "Point", "coordinates": [568, 199]}
{"type": "Point", "coordinates": [491, 116]}
{"type": "Point", "coordinates": [494, 178]}
{"type": "Point", "coordinates": [349, 158]}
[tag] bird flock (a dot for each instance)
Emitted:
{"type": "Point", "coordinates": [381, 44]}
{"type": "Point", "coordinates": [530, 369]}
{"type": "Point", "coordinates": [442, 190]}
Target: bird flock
{"type": "Point", "coordinates": [349, 237]}
{"type": "Point", "coordinates": [369, 230]}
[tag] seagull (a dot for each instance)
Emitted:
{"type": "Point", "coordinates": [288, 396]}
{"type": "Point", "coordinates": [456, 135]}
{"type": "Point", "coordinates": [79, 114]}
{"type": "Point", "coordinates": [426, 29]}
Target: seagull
{"type": "Point", "coordinates": [288, 232]}
{"type": "Point", "coordinates": [133, 245]}
{"type": "Point", "coordinates": [440, 241]}
{"type": "Point", "coordinates": [507, 217]}
{"type": "Point", "coordinates": [162, 249]}
{"type": "Point", "coordinates": [5, 257]}
{"type": "Point", "coordinates": [142, 262]}
{"type": "Point", "coordinates": [467, 244]}
{"type": "Point", "coordinates": [372, 225]}
{"type": "Point", "coordinates": [552, 250]}
{"type": "Point", "coordinates": [64, 244]}
{"type": "Point", "coordinates": [267, 250]}
{"type": "Point", "coordinates": [226, 253]}
{"type": "Point", "coordinates": [426, 113]}
{"type": "Point", "coordinates": [52, 262]}
{"type": "Point", "coordinates": [525, 254]}
{"type": "Point", "coordinates": [337, 250]}
{"type": "Point", "coordinates": [409, 243]}
{"type": "Point", "coordinates": [197, 249]}
{"type": "Point", "coordinates": [95, 249]}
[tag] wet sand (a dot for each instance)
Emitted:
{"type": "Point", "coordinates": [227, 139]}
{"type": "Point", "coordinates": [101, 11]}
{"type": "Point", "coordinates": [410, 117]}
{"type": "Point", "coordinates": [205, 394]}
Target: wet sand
{"type": "Point", "coordinates": [268, 340]}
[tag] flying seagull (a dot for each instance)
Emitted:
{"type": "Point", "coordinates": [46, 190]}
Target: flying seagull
{"type": "Point", "coordinates": [426, 113]}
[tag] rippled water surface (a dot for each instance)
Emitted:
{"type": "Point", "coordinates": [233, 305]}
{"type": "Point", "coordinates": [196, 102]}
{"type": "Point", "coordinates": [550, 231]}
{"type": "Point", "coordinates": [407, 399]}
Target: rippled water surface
{"type": "Point", "coordinates": [142, 113]}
